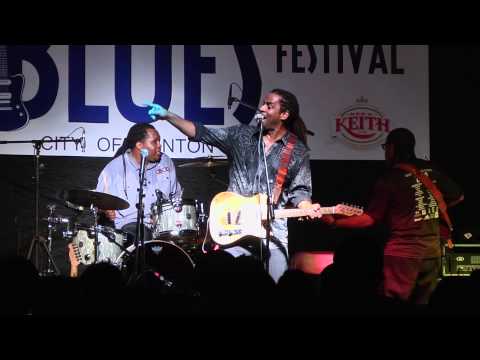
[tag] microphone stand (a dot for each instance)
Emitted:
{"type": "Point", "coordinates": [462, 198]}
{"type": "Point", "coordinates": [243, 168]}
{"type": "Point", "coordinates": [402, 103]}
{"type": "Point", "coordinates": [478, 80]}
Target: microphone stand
{"type": "Point", "coordinates": [234, 99]}
{"type": "Point", "coordinates": [270, 211]}
{"type": "Point", "coordinates": [139, 229]}
{"type": "Point", "coordinates": [36, 239]}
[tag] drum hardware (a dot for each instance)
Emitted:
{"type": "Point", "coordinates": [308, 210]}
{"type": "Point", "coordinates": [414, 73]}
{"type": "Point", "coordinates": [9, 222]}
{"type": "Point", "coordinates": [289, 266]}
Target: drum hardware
{"type": "Point", "coordinates": [94, 201]}
{"type": "Point", "coordinates": [202, 218]}
{"type": "Point", "coordinates": [200, 211]}
{"type": "Point", "coordinates": [168, 223]}
{"type": "Point", "coordinates": [206, 162]}
{"type": "Point", "coordinates": [52, 221]}
{"type": "Point", "coordinates": [56, 220]}
{"type": "Point", "coordinates": [209, 162]}
{"type": "Point", "coordinates": [90, 199]}
{"type": "Point", "coordinates": [95, 226]}
{"type": "Point", "coordinates": [100, 243]}
{"type": "Point", "coordinates": [110, 244]}
{"type": "Point", "coordinates": [111, 236]}
{"type": "Point", "coordinates": [37, 240]}
{"type": "Point", "coordinates": [170, 263]}
{"type": "Point", "coordinates": [73, 206]}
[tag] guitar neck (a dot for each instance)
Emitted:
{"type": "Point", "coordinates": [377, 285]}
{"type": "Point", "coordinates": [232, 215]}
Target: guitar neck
{"type": "Point", "coordinates": [288, 213]}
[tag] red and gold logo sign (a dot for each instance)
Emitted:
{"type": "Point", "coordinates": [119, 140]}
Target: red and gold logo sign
{"type": "Point", "coordinates": [361, 124]}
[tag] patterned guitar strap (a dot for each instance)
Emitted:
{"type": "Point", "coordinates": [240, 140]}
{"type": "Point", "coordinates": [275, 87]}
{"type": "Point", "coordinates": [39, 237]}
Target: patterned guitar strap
{"type": "Point", "coordinates": [283, 167]}
{"type": "Point", "coordinates": [425, 180]}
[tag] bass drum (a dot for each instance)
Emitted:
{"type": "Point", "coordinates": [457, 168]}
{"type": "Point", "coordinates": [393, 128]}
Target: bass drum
{"type": "Point", "coordinates": [170, 263]}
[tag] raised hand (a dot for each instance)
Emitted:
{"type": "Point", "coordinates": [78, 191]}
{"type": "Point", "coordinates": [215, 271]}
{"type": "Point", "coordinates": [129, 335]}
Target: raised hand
{"type": "Point", "coordinates": [156, 110]}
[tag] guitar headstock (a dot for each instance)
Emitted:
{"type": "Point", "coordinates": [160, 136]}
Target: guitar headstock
{"type": "Point", "coordinates": [73, 254]}
{"type": "Point", "coordinates": [348, 210]}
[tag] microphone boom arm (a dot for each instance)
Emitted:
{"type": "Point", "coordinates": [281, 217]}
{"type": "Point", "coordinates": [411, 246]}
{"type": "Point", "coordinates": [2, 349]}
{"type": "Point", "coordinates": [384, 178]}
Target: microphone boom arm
{"type": "Point", "coordinates": [234, 99]}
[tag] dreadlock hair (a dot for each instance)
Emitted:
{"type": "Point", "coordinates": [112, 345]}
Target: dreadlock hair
{"type": "Point", "coordinates": [137, 133]}
{"type": "Point", "coordinates": [404, 142]}
{"type": "Point", "coordinates": [294, 122]}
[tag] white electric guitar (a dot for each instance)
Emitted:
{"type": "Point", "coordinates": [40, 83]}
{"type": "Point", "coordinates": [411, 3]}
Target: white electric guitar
{"type": "Point", "coordinates": [233, 216]}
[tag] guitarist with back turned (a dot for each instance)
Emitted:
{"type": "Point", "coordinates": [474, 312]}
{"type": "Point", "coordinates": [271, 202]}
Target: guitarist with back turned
{"type": "Point", "coordinates": [287, 162]}
{"type": "Point", "coordinates": [411, 199]}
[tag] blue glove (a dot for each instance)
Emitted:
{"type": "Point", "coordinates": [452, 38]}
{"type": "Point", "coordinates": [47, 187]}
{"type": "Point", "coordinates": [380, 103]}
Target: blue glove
{"type": "Point", "coordinates": [156, 110]}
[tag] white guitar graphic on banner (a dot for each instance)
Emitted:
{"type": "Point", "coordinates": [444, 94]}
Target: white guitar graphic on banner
{"type": "Point", "coordinates": [13, 113]}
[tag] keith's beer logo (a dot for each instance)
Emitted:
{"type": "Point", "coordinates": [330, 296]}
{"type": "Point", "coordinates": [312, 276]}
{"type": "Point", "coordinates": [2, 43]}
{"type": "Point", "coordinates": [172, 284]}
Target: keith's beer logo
{"type": "Point", "coordinates": [361, 124]}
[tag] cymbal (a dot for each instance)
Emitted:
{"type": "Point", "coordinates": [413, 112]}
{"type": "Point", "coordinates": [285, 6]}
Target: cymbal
{"type": "Point", "coordinates": [101, 200]}
{"type": "Point", "coordinates": [205, 162]}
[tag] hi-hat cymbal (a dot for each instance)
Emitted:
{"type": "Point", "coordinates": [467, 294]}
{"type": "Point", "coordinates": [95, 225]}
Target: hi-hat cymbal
{"type": "Point", "coordinates": [205, 162]}
{"type": "Point", "coordinates": [101, 200]}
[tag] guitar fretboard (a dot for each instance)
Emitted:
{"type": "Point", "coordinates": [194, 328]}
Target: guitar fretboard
{"type": "Point", "coordinates": [287, 213]}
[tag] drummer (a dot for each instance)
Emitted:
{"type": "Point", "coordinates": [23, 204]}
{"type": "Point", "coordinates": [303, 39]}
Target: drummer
{"type": "Point", "coordinates": [120, 178]}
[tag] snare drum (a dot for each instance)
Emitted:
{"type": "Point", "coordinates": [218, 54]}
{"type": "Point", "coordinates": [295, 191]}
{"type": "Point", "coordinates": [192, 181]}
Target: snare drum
{"type": "Point", "coordinates": [180, 226]}
{"type": "Point", "coordinates": [110, 244]}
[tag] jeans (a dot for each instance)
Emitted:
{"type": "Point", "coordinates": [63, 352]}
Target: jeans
{"type": "Point", "coordinates": [411, 280]}
{"type": "Point", "coordinates": [277, 261]}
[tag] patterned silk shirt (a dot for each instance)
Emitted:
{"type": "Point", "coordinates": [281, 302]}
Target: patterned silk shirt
{"type": "Point", "coordinates": [247, 169]}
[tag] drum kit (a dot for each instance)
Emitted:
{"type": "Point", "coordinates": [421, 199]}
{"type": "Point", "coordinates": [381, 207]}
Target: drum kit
{"type": "Point", "coordinates": [177, 236]}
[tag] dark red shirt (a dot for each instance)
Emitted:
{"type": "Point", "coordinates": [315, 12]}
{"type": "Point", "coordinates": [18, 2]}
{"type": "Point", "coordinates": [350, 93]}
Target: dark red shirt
{"type": "Point", "coordinates": [410, 211]}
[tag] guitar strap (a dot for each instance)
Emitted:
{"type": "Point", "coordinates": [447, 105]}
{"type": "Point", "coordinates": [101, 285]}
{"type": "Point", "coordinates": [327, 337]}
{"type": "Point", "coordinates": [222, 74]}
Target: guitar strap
{"type": "Point", "coordinates": [283, 167]}
{"type": "Point", "coordinates": [425, 180]}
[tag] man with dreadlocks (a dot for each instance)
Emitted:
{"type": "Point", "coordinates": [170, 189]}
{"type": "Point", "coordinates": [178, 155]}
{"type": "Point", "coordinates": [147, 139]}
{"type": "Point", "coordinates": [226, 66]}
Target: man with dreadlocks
{"type": "Point", "coordinates": [283, 127]}
{"type": "Point", "coordinates": [120, 178]}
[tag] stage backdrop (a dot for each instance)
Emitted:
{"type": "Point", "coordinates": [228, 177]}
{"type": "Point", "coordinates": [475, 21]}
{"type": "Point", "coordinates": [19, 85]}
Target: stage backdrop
{"type": "Point", "coordinates": [350, 95]}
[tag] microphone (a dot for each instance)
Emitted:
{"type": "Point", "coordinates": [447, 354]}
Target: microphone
{"type": "Point", "coordinates": [143, 154]}
{"type": "Point", "coordinates": [230, 98]}
{"type": "Point", "coordinates": [83, 143]}
{"type": "Point", "coordinates": [259, 117]}
{"type": "Point", "coordinates": [81, 140]}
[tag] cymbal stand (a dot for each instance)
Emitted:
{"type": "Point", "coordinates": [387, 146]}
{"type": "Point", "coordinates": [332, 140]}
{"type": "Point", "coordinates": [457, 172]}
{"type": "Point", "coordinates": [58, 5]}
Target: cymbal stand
{"type": "Point", "coordinates": [52, 221]}
{"type": "Point", "coordinates": [201, 218]}
{"type": "Point", "coordinates": [94, 210]}
{"type": "Point", "coordinates": [37, 239]}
